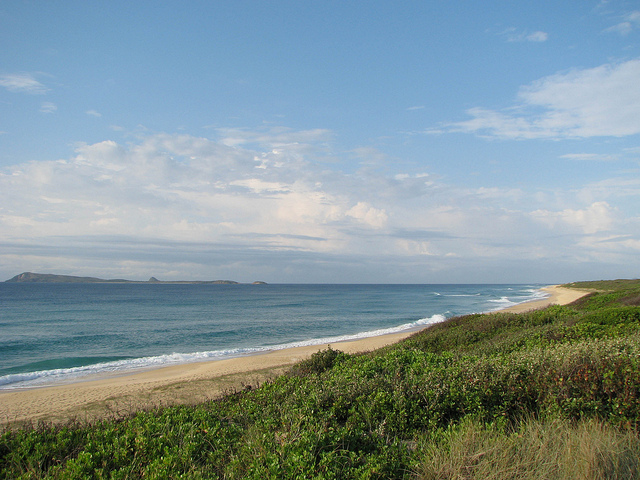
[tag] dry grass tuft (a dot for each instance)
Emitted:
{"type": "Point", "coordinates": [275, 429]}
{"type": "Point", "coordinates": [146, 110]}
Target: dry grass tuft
{"type": "Point", "coordinates": [588, 450]}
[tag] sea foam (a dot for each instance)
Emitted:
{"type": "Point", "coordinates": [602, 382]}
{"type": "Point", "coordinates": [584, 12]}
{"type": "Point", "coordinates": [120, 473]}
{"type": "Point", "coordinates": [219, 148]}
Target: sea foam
{"type": "Point", "coordinates": [505, 302]}
{"type": "Point", "coordinates": [120, 367]}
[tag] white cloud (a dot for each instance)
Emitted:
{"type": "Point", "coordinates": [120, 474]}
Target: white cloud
{"type": "Point", "coordinates": [619, 188]}
{"type": "Point", "coordinates": [415, 247]}
{"type": "Point", "coordinates": [537, 37]}
{"type": "Point", "coordinates": [184, 203]}
{"type": "Point", "coordinates": [513, 35]}
{"type": "Point", "coordinates": [589, 157]}
{"type": "Point", "coordinates": [630, 21]}
{"type": "Point", "coordinates": [368, 215]}
{"type": "Point", "coordinates": [257, 185]}
{"type": "Point", "coordinates": [272, 137]}
{"type": "Point", "coordinates": [22, 83]}
{"type": "Point", "coordinates": [93, 113]}
{"type": "Point", "coordinates": [600, 101]}
{"type": "Point", "coordinates": [597, 217]}
{"type": "Point", "coordinates": [209, 189]}
{"type": "Point", "coordinates": [48, 107]}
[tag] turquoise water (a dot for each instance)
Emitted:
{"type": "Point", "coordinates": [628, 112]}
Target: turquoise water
{"type": "Point", "coordinates": [52, 333]}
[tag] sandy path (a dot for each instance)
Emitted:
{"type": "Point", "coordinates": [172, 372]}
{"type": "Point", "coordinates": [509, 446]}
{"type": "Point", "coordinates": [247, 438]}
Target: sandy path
{"type": "Point", "coordinates": [189, 383]}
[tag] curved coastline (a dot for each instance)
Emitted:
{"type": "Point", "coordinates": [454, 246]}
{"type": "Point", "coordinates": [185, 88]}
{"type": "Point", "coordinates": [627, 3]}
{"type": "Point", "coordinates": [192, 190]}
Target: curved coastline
{"type": "Point", "coordinates": [557, 295]}
{"type": "Point", "coordinates": [192, 382]}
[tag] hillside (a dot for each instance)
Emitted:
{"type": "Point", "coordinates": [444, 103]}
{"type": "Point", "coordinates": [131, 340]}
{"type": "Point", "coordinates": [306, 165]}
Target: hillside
{"type": "Point", "coordinates": [29, 277]}
{"type": "Point", "coordinates": [553, 393]}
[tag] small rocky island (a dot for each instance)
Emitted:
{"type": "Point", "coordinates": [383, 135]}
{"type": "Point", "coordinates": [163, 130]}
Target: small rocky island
{"type": "Point", "coordinates": [29, 277]}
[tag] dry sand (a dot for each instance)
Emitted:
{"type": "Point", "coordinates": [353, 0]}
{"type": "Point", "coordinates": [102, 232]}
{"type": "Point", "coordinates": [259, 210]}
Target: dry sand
{"type": "Point", "coordinates": [557, 296]}
{"type": "Point", "coordinates": [190, 383]}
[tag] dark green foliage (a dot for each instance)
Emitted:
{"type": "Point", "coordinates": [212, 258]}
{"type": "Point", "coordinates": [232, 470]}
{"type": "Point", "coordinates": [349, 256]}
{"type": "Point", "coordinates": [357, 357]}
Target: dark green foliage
{"type": "Point", "coordinates": [343, 416]}
{"type": "Point", "coordinates": [318, 362]}
{"type": "Point", "coordinates": [619, 285]}
{"type": "Point", "coordinates": [609, 293]}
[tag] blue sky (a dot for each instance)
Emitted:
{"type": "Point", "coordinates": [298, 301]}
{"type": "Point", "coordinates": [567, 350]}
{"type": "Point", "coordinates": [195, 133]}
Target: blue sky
{"type": "Point", "coordinates": [329, 142]}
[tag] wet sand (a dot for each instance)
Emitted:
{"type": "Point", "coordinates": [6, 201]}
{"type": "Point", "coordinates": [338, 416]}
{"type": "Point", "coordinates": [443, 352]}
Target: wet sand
{"type": "Point", "coordinates": [191, 383]}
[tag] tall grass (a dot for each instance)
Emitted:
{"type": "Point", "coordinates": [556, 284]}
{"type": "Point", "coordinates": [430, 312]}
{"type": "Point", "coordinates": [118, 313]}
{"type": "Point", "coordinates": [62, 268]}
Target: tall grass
{"type": "Point", "coordinates": [553, 449]}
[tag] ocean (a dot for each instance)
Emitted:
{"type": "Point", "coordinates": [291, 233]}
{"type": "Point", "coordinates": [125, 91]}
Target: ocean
{"type": "Point", "coordinates": [64, 332]}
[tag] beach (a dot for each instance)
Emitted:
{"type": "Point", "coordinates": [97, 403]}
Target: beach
{"type": "Point", "coordinates": [191, 383]}
{"type": "Point", "coordinates": [557, 296]}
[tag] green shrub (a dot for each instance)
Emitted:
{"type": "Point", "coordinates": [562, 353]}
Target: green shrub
{"type": "Point", "coordinates": [318, 362]}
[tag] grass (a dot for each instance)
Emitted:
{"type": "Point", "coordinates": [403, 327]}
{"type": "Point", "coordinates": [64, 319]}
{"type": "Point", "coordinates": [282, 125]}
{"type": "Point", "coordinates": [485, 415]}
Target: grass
{"type": "Point", "coordinates": [553, 393]}
{"type": "Point", "coordinates": [550, 450]}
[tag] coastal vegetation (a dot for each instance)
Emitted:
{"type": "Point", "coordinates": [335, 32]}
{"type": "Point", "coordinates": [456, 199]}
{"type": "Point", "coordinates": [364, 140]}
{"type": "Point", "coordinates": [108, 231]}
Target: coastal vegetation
{"type": "Point", "coordinates": [551, 393]}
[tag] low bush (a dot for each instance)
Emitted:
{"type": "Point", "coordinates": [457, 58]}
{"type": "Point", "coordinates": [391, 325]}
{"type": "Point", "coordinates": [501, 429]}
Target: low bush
{"type": "Point", "coordinates": [318, 362]}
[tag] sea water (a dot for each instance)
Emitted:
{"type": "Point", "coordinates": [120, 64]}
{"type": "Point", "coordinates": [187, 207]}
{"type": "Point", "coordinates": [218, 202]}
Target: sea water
{"type": "Point", "coordinates": [59, 332]}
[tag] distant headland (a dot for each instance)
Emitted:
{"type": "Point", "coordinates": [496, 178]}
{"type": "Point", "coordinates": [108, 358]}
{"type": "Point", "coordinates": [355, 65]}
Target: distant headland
{"type": "Point", "coordinates": [29, 277]}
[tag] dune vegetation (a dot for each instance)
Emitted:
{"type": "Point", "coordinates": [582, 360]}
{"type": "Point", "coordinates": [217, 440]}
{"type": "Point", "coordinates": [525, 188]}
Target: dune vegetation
{"type": "Point", "coordinates": [551, 393]}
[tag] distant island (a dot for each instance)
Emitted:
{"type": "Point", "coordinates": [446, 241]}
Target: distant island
{"type": "Point", "coordinates": [29, 277]}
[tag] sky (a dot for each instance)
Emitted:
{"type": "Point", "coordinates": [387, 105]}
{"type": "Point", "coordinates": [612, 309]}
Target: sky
{"type": "Point", "coordinates": [321, 142]}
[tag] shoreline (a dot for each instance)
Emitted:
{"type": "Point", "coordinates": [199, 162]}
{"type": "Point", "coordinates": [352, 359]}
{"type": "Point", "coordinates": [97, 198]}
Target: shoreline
{"type": "Point", "coordinates": [558, 295]}
{"type": "Point", "coordinates": [192, 383]}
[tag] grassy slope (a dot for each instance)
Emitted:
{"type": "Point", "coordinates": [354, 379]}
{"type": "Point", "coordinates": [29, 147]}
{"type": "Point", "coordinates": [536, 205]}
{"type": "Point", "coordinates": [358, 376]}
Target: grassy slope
{"type": "Point", "coordinates": [463, 399]}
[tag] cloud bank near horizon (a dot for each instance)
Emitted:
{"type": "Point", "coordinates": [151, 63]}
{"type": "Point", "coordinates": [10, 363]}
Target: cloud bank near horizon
{"type": "Point", "coordinates": [273, 204]}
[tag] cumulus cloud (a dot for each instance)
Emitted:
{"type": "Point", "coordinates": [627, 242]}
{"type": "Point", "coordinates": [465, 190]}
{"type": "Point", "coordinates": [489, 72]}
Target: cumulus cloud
{"type": "Point", "coordinates": [368, 215]}
{"type": "Point", "coordinates": [597, 217]}
{"type": "Point", "coordinates": [179, 205]}
{"type": "Point", "coordinates": [180, 187]}
{"type": "Point", "coordinates": [22, 83]}
{"type": "Point", "coordinates": [600, 101]}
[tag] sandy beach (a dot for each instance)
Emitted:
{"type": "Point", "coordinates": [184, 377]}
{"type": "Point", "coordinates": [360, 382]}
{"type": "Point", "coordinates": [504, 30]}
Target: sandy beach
{"type": "Point", "coordinates": [557, 296]}
{"type": "Point", "coordinates": [189, 383]}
